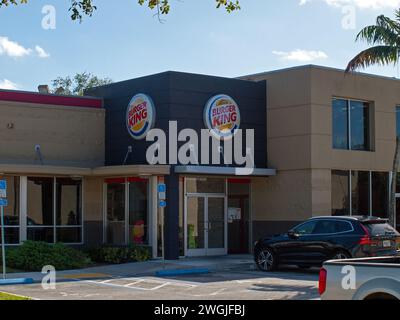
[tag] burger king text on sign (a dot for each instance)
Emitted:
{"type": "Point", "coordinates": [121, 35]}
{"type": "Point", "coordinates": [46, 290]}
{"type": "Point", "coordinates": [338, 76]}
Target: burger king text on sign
{"type": "Point", "coordinates": [140, 116]}
{"type": "Point", "coordinates": [222, 116]}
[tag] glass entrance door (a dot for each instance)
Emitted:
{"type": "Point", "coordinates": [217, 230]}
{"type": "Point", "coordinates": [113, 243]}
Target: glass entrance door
{"type": "Point", "coordinates": [205, 225]}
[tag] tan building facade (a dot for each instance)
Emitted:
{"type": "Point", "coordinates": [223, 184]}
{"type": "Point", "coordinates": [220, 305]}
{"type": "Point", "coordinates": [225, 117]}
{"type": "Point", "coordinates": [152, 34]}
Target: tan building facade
{"type": "Point", "coordinates": [300, 133]}
{"type": "Point", "coordinates": [77, 174]}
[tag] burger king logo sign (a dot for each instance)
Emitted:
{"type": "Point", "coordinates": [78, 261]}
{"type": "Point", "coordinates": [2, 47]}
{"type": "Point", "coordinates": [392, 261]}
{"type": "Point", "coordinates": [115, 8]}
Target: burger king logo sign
{"type": "Point", "coordinates": [222, 116]}
{"type": "Point", "coordinates": [140, 116]}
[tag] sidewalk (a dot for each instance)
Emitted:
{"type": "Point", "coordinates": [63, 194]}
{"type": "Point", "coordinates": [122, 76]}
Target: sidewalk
{"type": "Point", "coordinates": [214, 264]}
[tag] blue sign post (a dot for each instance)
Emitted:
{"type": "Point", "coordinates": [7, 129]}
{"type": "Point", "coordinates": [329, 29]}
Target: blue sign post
{"type": "Point", "coordinates": [3, 203]}
{"type": "Point", "coordinates": [162, 203]}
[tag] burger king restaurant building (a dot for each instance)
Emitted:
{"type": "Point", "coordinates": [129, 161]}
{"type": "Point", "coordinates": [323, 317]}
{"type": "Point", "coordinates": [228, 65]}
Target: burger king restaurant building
{"type": "Point", "coordinates": [78, 169]}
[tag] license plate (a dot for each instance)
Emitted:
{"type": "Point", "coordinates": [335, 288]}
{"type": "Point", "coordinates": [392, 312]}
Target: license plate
{"type": "Point", "coordinates": [387, 243]}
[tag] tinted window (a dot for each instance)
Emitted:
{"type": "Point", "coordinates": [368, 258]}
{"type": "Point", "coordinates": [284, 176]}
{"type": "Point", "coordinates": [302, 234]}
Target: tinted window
{"type": "Point", "coordinates": [306, 228]}
{"type": "Point", "coordinates": [360, 193]}
{"type": "Point", "coordinates": [343, 226]}
{"type": "Point", "coordinates": [380, 194]}
{"type": "Point", "coordinates": [359, 125]}
{"type": "Point", "coordinates": [340, 193]}
{"type": "Point", "coordinates": [380, 229]}
{"type": "Point", "coordinates": [325, 227]}
{"type": "Point", "coordinates": [340, 124]}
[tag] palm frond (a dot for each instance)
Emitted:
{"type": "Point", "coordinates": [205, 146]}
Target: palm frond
{"type": "Point", "coordinates": [380, 55]}
{"type": "Point", "coordinates": [385, 32]}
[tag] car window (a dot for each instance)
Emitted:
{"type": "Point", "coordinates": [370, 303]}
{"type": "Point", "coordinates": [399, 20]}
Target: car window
{"type": "Point", "coordinates": [305, 228]}
{"type": "Point", "coordinates": [325, 227]}
{"type": "Point", "coordinates": [343, 226]}
{"type": "Point", "coordinates": [380, 229]}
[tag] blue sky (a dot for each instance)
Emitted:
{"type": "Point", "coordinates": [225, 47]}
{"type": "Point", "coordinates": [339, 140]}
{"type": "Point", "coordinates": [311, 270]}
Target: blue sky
{"type": "Point", "coordinates": [125, 41]}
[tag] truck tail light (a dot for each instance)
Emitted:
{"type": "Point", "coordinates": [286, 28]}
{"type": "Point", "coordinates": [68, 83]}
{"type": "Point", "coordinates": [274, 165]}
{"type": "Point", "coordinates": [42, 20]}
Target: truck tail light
{"type": "Point", "coordinates": [323, 275]}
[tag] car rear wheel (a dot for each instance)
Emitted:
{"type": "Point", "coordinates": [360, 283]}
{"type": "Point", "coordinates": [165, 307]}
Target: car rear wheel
{"type": "Point", "coordinates": [341, 255]}
{"type": "Point", "coordinates": [265, 260]}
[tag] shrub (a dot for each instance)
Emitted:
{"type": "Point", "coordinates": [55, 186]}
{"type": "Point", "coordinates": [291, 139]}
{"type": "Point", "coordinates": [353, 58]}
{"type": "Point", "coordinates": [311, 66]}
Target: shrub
{"type": "Point", "coordinates": [33, 256]}
{"type": "Point", "coordinates": [119, 254]}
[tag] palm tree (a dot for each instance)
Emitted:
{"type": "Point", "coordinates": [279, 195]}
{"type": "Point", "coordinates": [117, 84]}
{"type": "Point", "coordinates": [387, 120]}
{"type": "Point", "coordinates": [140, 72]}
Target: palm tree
{"type": "Point", "coordinates": [384, 39]}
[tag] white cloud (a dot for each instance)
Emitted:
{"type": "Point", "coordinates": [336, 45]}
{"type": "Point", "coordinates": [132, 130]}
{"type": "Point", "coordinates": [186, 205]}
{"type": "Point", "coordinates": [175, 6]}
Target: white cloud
{"type": "Point", "coordinates": [301, 55]}
{"type": "Point", "coordinates": [12, 49]}
{"type": "Point", "coordinates": [15, 50]}
{"type": "Point", "coordinates": [363, 4]}
{"type": "Point", "coordinates": [8, 85]}
{"type": "Point", "coordinates": [41, 52]}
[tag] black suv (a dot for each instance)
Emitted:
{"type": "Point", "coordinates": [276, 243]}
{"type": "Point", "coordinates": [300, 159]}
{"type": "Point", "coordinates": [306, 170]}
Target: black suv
{"type": "Point", "coordinates": [324, 238]}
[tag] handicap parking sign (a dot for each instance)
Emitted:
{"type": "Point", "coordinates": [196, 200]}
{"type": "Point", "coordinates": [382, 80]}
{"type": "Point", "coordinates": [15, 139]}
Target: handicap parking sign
{"type": "Point", "coordinates": [3, 202]}
{"type": "Point", "coordinates": [162, 188]}
{"type": "Point", "coordinates": [3, 189]}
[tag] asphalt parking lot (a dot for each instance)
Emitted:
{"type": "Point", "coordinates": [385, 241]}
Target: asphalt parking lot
{"type": "Point", "coordinates": [291, 284]}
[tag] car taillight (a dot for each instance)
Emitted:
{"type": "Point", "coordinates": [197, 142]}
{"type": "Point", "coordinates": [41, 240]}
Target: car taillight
{"type": "Point", "coordinates": [366, 240]}
{"type": "Point", "coordinates": [323, 275]}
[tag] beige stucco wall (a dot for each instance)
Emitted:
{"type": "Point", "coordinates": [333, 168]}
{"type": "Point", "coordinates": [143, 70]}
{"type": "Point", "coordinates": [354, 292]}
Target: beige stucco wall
{"type": "Point", "coordinates": [384, 95]}
{"type": "Point", "coordinates": [68, 136]}
{"type": "Point", "coordinates": [299, 123]}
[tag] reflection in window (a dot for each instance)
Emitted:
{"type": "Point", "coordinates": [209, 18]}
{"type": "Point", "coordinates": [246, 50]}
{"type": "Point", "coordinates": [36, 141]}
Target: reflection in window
{"type": "Point", "coordinates": [40, 217]}
{"type": "Point", "coordinates": [353, 134]}
{"type": "Point", "coordinates": [360, 192]}
{"type": "Point", "coordinates": [380, 194]}
{"type": "Point", "coordinates": [11, 212]}
{"type": "Point", "coordinates": [68, 210]}
{"type": "Point", "coordinates": [205, 185]}
{"type": "Point", "coordinates": [306, 228]}
{"type": "Point", "coordinates": [398, 121]}
{"type": "Point", "coordinates": [340, 124]}
{"type": "Point", "coordinates": [116, 213]}
{"type": "Point", "coordinates": [359, 116]}
{"type": "Point", "coordinates": [340, 193]}
{"type": "Point", "coordinates": [138, 212]}
{"type": "Point", "coordinates": [54, 217]}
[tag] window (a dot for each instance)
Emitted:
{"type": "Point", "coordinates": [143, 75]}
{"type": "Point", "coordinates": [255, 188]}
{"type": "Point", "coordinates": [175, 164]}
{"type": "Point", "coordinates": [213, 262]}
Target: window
{"type": "Point", "coordinates": [340, 124]}
{"type": "Point", "coordinates": [351, 125]}
{"type": "Point", "coordinates": [380, 194]}
{"type": "Point", "coordinates": [343, 226]}
{"type": "Point", "coordinates": [69, 210]}
{"type": "Point", "coordinates": [138, 212]}
{"type": "Point", "coordinates": [40, 215]}
{"type": "Point", "coordinates": [306, 228]}
{"type": "Point", "coordinates": [54, 209]}
{"type": "Point", "coordinates": [369, 193]}
{"type": "Point", "coordinates": [205, 185]}
{"type": "Point", "coordinates": [398, 121]}
{"type": "Point", "coordinates": [340, 193]}
{"type": "Point", "coordinates": [325, 227]}
{"type": "Point", "coordinates": [360, 192]}
{"type": "Point", "coordinates": [115, 233]}
{"type": "Point", "coordinates": [11, 212]}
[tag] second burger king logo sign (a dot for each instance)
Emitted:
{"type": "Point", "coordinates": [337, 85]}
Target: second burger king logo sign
{"type": "Point", "coordinates": [140, 116]}
{"type": "Point", "coordinates": [222, 116]}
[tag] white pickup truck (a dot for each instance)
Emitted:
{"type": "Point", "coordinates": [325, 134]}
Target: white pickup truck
{"type": "Point", "coordinates": [361, 279]}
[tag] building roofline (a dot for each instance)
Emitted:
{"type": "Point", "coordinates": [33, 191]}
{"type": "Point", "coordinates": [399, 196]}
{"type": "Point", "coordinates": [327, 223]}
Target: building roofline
{"type": "Point", "coordinates": [164, 73]}
{"type": "Point", "coordinates": [314, 66]}
{"type": "Point", "coordinates": [50, 99]}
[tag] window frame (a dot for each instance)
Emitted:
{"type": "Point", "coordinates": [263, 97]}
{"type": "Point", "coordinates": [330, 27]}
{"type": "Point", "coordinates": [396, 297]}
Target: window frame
{"type": "Point", "coordinates": [24, 215]}
{"type": "Point", "coordinates": [349, 131]}
{"type": "Point", "coordinates": [370, 189]}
